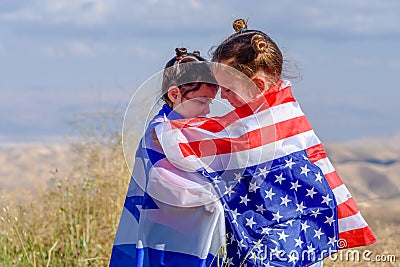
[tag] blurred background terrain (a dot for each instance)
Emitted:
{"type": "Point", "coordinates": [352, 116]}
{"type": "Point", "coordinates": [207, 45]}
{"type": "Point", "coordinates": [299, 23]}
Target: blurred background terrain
{"type": "Point", "coordinates": [62, 188]}
{"type": "Point", "coordinates": [65, 200]}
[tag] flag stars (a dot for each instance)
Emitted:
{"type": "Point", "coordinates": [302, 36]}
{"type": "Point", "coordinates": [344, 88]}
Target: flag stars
{"type": "Point", "coordinates": [235, 222]}
{"type": "Point", "coordinates": [244, 236]}
{"type": "Point", "coordinates": [260, 208]}
{"type": "Point", "coordinates": [329, 220]}
{"type": "Point", "coordinates": [253, 187]}
{"type": "Point", "coordinates": [238, 177]}
{"type": "Point", "coordinates": [253, 256]}
{"type": "Point", "coordinates": [250, 222]}
{"type": "Point", "coordinates": [282, 236]}
{"type": "Point", "coordinates": [318, 178]}
{"type": "Point", "coordinates": [216, 179]}
{"type": "Point", "coordinates": [318, 233]}
{"type": "Point", "coordinates": [241, 244]}
{"type": "Point", "coordinates": [304, 226]}
{"type": "Point", "coordinates": [277, 217]}
{"type": "Point", "coordinates": [285, 200]}
{"type": "Point", "coordinates": [279, 178]}
{"type": "Point", "coordinates": [289, 163]}
{"type": "Point", "coordinates": [293, 257]}
{"type": "Point", "coordinates": [310, 249]}
{"type": "Point", "coordinates": [257, 245]}
{"type": "Point", "coordinates": [269, 194]}
{"type": "Point", "coordinates": [326, 200]}
{"type": "Point", "coordinates": [225, 207]}
{"type": "Point", "coordinates": [300, 207]}
{"type": "Point", "coordinates": [244, 200]}
{"type": "Point", "coordinates": [235, 213]}
{"type": "Point", "coordinates": [265, 230]}
{"type": "Point", "coordinates": [310, 192]}
{"type": "Point", "coordinates": [263, 172]}
{"type": "Point", "coordinates": [290, 222]}
{"type": "Point", "coordinates": [229, 262]}
{"type": "Point", "coordinates": [295, 185]}
{"type": "Point", "coordinates": [315, 213]}
{"type": "Point", "coordinates": [299, 242]}
{"type": "Point", "coordinates": [304, 170]}
{"type": "Point", "coordinates": [229, 190]}
{"type": "Point", "coordinates": [332, 241]}
{"type": "Point", "coordinates": [232, 239]}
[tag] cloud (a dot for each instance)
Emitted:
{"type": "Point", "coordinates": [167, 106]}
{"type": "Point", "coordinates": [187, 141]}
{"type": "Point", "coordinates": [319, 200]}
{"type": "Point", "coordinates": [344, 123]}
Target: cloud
{"type": "Point", "coordinates": [145, 52]}
{"type": "Point", "coordinates": [395, 65]}
{"type": "Point", "coordinates": [77, 12]}
{"type": "Point", "coordinates": [342, 46]}
{"type": "Point", "coordinates": [2, 49]}
{"type": "Point", "coordinates": [26, 15]}
{"type": "Point", "coordinates": [333, 20]}
{"type": "Point", "coordinates": [81, 12]}
{"type": "Point", "coordinates": [80, 48]}
{"type": "Point", "coordinates": [48, 51]}
{"type": "Point", "coordinates": [363, 18]}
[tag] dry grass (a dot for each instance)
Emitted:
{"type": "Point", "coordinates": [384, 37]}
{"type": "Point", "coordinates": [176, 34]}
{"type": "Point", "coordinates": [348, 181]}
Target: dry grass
{"type": "Point", "coordinates": [73, 223]}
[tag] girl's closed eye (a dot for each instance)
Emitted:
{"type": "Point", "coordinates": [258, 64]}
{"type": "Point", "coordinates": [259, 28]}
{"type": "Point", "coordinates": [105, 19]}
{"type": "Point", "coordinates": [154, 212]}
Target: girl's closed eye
{"type": "Point", "coordinates": [204, 101]}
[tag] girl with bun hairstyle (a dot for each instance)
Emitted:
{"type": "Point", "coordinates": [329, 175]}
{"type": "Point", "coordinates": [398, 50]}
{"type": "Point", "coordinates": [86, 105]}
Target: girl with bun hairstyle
{"type": "Point", "coordinates": [288, 206]}
{"type": "Point", "coordinates": [255, 54]}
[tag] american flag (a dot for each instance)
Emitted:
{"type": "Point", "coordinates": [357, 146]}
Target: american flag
{"type": "Point", "coordinates": [284, 201]}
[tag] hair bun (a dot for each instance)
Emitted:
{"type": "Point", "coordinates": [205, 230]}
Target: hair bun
{"type": "Point", "coordinates": [196, 53]}
{"type": "Point", "coordinates": [239, 25]}
{"type": "Point", "coordinates": [180, 51]}
{"type": "Point", "coordinates": [259, 44]}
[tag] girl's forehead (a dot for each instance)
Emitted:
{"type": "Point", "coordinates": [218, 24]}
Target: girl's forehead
{"type": "Point", "coordinates": [204, 91]}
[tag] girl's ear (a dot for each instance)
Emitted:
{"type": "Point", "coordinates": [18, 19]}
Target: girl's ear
{"type": "Point", "coordinates": [263, 82]}
{"type": "Point", "coordinates": [174, 94]}
{"type": "Point", "coordinates": [259, 82]}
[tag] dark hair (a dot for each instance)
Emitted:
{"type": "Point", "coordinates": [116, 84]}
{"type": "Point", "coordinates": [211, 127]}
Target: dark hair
{"type": "Point", "coordinates": [249, 51]}
{"type": "Point", "coordinates": [187, 71]}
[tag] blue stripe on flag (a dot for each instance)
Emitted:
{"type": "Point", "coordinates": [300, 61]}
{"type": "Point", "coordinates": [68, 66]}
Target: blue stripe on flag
{"type": "Point", "coordinates": [123, 255]}
{"type": "Point", "coordinates": [130, 204]}
{"type": "Point", "coordinates": [127, 255]}
{"type": "Point", "coordinates": [153, 155]}
{"type": "Point", "coordinates": [145, 201]}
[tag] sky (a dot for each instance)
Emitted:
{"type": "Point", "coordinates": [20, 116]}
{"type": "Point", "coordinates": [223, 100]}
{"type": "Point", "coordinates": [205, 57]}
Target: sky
{"type": "Point", "coordinates": [66, 57]}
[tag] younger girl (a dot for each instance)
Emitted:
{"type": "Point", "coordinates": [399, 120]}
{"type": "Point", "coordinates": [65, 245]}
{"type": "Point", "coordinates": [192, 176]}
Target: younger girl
{"type": "Point", "coordinates": [165, 220]}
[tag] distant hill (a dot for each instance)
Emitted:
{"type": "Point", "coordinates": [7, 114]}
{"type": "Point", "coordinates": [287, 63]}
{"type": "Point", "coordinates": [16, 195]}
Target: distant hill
{"type": "Point", "coordinates": [27, 167]}
{"type": "Point", "coordinates": [369, 167]}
